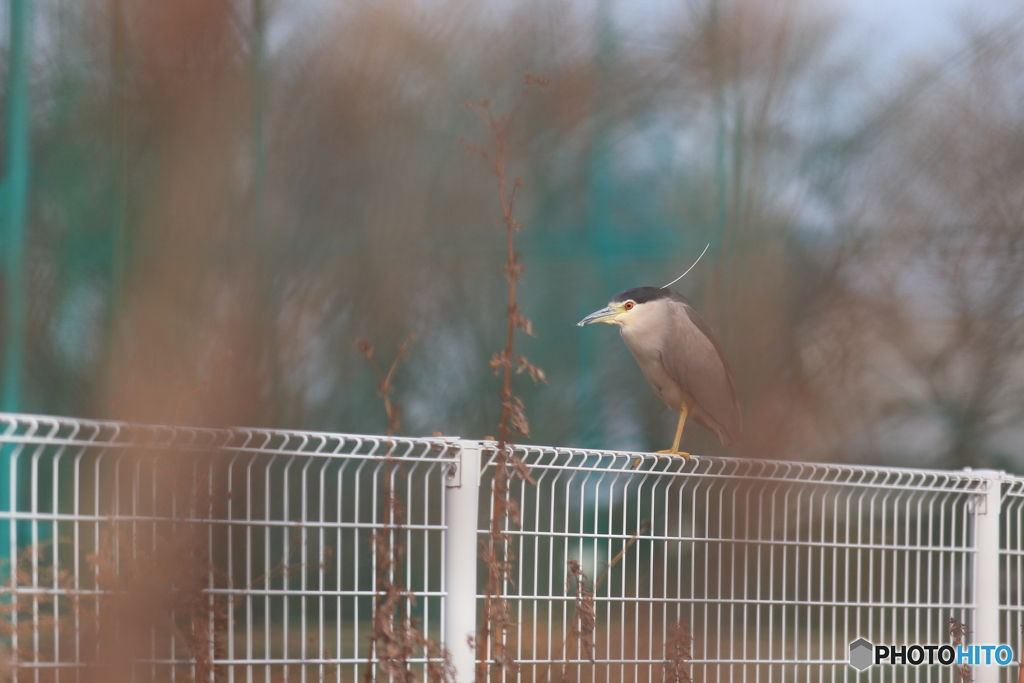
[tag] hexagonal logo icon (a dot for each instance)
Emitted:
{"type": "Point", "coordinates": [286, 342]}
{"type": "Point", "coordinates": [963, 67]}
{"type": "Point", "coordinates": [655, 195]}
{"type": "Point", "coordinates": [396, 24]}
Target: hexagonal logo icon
{"type": "Point", "coordinates": [861, 652]}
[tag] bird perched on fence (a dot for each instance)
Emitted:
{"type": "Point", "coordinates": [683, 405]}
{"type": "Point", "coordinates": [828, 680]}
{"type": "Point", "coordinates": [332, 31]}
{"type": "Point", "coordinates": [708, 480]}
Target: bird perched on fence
{"type": "Point", "coordinates": [679, 355]}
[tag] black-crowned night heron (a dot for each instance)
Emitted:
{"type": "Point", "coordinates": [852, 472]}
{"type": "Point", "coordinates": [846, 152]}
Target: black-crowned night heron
{"type": "Point", "coordinates": [679, 356]}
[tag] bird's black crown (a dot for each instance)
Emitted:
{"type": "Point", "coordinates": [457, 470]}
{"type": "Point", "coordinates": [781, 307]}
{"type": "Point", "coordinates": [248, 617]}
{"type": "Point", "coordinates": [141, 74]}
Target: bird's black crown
{"type": "Point", "coordinates": [642, 295]}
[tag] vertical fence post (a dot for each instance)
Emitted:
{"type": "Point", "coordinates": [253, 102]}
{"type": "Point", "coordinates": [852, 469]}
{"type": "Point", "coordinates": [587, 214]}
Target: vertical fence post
{"type": "Point", "coordinates": [460, 558]}
{"type": "Point", "coordinates": [985, 589]}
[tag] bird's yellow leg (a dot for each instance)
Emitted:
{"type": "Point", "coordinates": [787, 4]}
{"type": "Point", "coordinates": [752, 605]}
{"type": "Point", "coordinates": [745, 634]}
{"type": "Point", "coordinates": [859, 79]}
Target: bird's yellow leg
{"type": "Point", "coordinates": [683, 412]}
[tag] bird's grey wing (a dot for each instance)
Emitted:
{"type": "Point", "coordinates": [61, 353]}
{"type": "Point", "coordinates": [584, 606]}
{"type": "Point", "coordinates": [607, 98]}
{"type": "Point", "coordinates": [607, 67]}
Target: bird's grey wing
{"type": "Point", "coordinates": [694, 357]}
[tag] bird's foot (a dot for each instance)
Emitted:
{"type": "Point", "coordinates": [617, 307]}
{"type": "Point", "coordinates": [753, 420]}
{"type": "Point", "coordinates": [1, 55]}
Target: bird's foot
{"type": "Point", "coordinates": [684, 456]}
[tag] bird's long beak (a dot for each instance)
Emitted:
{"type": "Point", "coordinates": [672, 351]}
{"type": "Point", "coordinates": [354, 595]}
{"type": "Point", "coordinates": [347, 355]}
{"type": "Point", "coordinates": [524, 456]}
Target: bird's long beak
{"type": "Point", "coordinates": [605, 315]}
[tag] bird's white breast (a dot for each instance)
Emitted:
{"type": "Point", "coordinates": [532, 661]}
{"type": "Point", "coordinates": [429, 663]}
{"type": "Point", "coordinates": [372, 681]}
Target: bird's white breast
{"type": "Point", "coordinates": [644, 331]}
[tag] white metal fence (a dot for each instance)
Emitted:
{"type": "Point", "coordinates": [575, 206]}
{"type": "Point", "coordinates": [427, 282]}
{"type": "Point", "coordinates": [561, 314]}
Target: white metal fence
{"type": "Point", "coordinates": [257, 555]}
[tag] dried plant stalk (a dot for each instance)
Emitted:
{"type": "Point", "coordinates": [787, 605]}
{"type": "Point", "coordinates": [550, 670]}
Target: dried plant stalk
{"type": "Point", "coordinates": [385, 381]}
{"type": "Point", "coordinates": [678, 652]}
{"type": "Point", "coordinates": [395, 636]}
{"type": "Point", "coordinates": [584, 620]}
{"type": "Point", "coordinates": [957, 631]}
{"type": "Point", "coordinates": [25, 613]}
{"type": "Point", "coordinates": [497, 552]}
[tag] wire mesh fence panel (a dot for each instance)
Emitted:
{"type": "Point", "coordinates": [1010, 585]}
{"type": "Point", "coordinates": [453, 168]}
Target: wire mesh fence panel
{"type": "Point", "coordinates": [1011, 571]}
{"type": "Point", "coordinates": [173, 554]}
{"type": "Point", "coordinates": [731, 570]}
{"type": "Point", "coordinates": [147, 553]}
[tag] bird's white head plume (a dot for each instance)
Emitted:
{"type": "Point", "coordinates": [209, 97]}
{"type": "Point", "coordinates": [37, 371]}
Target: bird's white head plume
{"type": "Point", "coordinates": [688, 269]}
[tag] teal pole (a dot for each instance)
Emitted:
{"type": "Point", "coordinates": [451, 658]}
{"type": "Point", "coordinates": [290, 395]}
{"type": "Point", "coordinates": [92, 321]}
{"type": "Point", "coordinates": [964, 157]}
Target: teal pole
{"type": "Point", "coordinates": [15, 200]}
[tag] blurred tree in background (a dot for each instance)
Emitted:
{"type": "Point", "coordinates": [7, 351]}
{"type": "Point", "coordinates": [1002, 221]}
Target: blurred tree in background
{"type": "Point", "coordinates": [222, 195]}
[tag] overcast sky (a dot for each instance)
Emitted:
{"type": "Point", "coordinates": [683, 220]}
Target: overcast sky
{"type": "Point", "coordinates": [889, 29]}
{"type": "Point", "coordinates": [906, 27]}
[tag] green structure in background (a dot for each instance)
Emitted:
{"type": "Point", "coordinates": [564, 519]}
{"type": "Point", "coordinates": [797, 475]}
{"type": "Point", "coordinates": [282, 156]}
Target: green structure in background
{"type": "Point", "coordinates": [14, 210]}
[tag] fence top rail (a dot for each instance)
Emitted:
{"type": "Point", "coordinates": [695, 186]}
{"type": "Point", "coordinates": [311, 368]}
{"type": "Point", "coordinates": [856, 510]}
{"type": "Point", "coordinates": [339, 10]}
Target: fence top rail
{"type": "Point", "coordinates": [30, 429]}
{"type": "Point", "coordinates": [749, 469]}
{"type": "Point", "coordinates": [46, 430]}
{"type": "Point", "coordinates": [1014, 488]}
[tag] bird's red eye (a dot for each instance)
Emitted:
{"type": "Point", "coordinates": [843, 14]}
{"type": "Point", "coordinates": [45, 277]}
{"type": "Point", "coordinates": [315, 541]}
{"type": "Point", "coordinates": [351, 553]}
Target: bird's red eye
{"type": "Point", "coordinates": [629, 305]}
